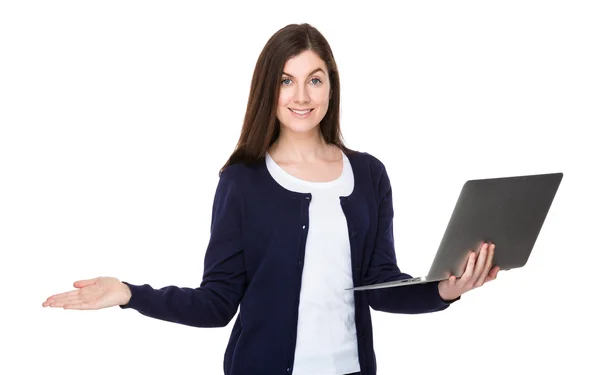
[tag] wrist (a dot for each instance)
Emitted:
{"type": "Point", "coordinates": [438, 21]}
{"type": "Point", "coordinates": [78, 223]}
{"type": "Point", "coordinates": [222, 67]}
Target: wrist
{"type": "Point", "coordinates": [444, 295]}
{"type": "Point", "coordinates": [126, 294]}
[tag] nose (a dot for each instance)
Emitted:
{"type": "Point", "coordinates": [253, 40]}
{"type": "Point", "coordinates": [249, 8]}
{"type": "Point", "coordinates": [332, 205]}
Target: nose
{"type": "Point", "coordinates": [301, 95]}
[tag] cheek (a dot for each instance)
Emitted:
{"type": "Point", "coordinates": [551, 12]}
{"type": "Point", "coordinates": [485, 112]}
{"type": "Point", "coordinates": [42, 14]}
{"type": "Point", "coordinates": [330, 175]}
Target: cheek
{"type": "Point", "coordinates": [321, 97]}
{"type": "Point", "coordinates": [285, 97]}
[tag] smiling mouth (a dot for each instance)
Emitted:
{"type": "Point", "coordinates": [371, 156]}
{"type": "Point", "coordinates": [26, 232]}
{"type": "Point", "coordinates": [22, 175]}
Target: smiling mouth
{"type": "Point", "coordinates": [301, 112]}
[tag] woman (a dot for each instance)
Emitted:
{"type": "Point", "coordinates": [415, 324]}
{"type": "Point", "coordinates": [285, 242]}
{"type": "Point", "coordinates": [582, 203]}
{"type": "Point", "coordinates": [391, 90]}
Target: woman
{"type": "Point", "coordinates": [297, 219]}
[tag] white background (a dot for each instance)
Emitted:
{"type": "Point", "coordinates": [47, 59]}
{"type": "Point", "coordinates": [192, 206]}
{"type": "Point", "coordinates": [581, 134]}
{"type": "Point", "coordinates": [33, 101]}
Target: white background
{"type": "Point", "coordinates": [117, 115]}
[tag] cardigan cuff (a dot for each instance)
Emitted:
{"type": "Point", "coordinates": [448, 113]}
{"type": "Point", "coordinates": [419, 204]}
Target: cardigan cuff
{"type": "Point", "coordinates": [135, 291]}
{"type": "Point", "coordinates": [443, 301]}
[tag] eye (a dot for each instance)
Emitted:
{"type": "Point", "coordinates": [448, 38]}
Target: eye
{"type": "Point", "coordinates": [315, 81]}
{"type": "Point", "coordinates": [286, 81]}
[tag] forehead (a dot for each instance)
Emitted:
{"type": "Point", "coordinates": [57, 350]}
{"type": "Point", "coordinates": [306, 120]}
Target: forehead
{"type": "Point", "coordinates": [304, 64]}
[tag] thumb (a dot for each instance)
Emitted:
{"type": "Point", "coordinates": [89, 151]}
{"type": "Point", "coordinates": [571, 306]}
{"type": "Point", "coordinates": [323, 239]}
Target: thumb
{"type": "Point", "coordinates": [84, 283]}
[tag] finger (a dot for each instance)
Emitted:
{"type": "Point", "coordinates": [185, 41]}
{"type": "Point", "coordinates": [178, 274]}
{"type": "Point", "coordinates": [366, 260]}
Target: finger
{"type": "Point", "coordinates": [80, 306]}
{"type": "Point", "coordinates": [70, 294]}
{"type": "Point", "coordinates": [480, 264]}
{"type": "Point", "coordinates": [74, 297]}
{"type": "Point", "coordinates": [468, 271]}
{"type": "Point", "coordinates": [452, 280]}
{"type": "Point", "coordinates": [84, 283]}
{"type": "Point", "coordinates": [490, 260]}
{"type": "Point", "coordinates": [488, 265]}
{"type": "Point", "coordinates": [68, 302]}
{"type": "Point", "coordinates": [63, 296]}
{"type": "Point", "coordinates": [83, 295]}
{"type": "Point", "coordinates": [493, 274]}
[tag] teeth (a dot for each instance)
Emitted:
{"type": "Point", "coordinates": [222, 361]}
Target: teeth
{"type": "Point", "coordinates": [301, 112]}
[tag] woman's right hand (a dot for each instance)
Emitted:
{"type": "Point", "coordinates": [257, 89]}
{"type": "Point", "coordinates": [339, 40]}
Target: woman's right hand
{"type": "Point", "coordinates": [92, 294]}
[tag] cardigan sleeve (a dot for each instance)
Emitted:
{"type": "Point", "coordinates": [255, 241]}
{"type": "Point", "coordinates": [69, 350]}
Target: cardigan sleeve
{"type": "Point", "coordinates": [216, 300]}
{"type": "Point", "coordinates": [410, 299]}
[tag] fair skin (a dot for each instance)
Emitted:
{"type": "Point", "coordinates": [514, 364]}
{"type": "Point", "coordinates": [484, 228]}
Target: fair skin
{"type": "Point", "coordinates": [302, 152]}
{"type": "Point", "coordinates": [478, 271]}
{"type": "Point", "coordinates": [300, 148]}
{"type": "Point", "coordinates": [92, 294]}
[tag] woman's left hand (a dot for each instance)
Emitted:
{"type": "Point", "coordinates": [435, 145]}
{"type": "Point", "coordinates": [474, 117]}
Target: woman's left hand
{"type": "Point", "coordinates": [478, 272]}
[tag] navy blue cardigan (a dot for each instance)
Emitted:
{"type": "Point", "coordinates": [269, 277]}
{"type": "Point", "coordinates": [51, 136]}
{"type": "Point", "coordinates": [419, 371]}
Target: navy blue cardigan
{"type": "Point", "coordinates": [254, 261]}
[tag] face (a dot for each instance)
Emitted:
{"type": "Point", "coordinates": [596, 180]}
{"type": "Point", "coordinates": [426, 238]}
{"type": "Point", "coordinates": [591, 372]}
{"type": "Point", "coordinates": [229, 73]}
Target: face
{"type": "Point", "coordinates": [304, 93]}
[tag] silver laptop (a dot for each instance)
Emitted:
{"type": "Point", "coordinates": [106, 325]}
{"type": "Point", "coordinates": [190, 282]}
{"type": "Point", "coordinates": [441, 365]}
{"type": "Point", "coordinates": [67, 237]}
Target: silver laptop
{"type": "Point", "coordinates": [507, 211]}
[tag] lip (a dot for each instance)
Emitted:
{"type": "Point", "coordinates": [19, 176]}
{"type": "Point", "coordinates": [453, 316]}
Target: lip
{"type": "Point", "coordinates": [297, 115]}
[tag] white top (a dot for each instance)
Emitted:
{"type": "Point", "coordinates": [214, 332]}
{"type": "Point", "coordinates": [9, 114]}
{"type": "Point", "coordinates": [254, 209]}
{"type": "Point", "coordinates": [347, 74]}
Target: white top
{"type": "Point", "coordinates": [326, 343]}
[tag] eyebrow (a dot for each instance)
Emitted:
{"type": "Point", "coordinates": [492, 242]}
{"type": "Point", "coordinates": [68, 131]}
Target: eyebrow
{"type": "Point", "coordinates": [310, 74]}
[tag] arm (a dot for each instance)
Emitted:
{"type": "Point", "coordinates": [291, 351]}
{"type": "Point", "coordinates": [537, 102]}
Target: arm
{"type": "Point", "coordinates": [216, 301]}
{"type": "Point", "coordinates": [411, 299]}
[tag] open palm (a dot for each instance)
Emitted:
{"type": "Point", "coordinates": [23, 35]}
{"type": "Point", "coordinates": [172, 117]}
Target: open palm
{"type": "Point", "coordinates": [92, 294]}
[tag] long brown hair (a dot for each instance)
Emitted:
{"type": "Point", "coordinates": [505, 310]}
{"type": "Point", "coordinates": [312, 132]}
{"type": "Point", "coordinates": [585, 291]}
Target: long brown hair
{"type": "Point", "coordinates": [261, 126]}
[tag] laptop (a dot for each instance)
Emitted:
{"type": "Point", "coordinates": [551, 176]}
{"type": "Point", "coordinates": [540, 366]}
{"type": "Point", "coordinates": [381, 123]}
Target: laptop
{"type": "Point", "coordinates": [507, 211]}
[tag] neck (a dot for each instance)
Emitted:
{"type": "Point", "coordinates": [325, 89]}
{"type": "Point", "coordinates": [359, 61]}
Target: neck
{"type": "Point", "coordinates": [299, 147]}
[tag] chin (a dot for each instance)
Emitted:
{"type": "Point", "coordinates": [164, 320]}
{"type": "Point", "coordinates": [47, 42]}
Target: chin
{"type": "Point", "coordinates": [299, 127]}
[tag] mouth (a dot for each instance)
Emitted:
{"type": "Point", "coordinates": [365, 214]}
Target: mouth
{"type": "Point", "coordinates": [301, 112]}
